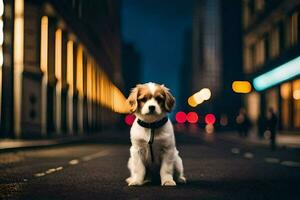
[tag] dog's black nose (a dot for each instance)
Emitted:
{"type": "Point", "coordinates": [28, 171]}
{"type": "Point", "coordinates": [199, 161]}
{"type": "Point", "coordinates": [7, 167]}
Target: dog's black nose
{"type": "Point", "coordinates": [151, 108]}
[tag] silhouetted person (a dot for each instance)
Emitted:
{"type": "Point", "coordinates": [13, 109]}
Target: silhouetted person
{"type": "Point", "coordinates": [261, 125]}
{"type": "Point", "coordinates": [243, 123]}
{"type": "Point", "coordinates": [272, 125]}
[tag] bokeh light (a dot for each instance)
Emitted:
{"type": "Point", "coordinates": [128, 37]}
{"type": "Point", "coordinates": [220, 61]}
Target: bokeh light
{"type": "Point", "coordinates": [209, 128]}
{"type": "Point", "coordinates": [199, 97]}
{"type": "Point", "coordinates": [180, 117]}
{"type": "Point", "coordinates": [210, 118]}
{"type": "Point", "coordinates": [129, 119]}
{"type": "Point", "coordinates": [205, 94]}
{"type": "Point", "coordinates": [241, 87]}
{"type": "Point", "coordinates": [224, 120]}
{"type": "Point", "coordinates": [192, 117]}
{"type": "Point", "coordinates": [192, 102]}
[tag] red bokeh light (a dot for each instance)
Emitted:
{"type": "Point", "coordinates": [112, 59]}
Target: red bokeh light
{"type": "Point", "coordinates": [129, 119]}
{"type": "Point", "coordinates": [210, 119]}
{"type": "Point", "coordinates": [192, 117]}
{"type": "Point", "coordinates": [180, 117]}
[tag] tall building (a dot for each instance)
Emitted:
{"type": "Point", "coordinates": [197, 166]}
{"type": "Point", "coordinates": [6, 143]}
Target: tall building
{"type": "Point", "coordinates": [271, 42]}
{"type": "Point", "coordinates": [59, 66]}
{"type": "Point", "coordinates": [216, 57]}
{"type": "Point", "coordinates": [131, 65]}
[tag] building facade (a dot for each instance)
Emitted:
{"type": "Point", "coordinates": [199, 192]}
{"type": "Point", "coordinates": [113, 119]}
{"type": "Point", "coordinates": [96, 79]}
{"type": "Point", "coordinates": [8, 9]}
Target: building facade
{"type": "Point", "coordinates": [59, 67]}
{"type": "Point", "coordinates": [216, 57]}
{"type": "Point", "coordinates": [271, 42]}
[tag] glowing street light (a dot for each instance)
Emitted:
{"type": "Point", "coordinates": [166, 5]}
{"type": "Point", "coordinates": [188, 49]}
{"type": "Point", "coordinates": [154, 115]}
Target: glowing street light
{"type": "Point", "coordinates": [199, 97]}
{"type": "Point", "coordinates": [241, 87]}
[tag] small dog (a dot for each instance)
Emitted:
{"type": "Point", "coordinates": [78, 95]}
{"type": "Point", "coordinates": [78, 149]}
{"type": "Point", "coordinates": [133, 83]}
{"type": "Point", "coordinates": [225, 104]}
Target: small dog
{"type": "Point", "coordinates": [152, 136]}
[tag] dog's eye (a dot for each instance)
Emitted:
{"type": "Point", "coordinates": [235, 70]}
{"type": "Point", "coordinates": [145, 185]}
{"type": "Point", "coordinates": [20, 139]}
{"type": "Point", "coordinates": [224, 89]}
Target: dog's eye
{"type": "Point", "coordinates": [144, 99]}
{"type": "Point", "coordinates": [159, 99]}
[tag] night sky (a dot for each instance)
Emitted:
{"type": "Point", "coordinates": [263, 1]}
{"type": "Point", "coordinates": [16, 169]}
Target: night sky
{"type": "Point", "coordinates": [156, 28]}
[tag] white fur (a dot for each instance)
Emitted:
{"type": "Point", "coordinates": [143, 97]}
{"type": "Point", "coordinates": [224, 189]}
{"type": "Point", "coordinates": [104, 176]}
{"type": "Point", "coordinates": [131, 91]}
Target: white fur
{"type": "Point", "coordinates": [152, 87]}
{"type": "Point", "coordinates": [165, 152]}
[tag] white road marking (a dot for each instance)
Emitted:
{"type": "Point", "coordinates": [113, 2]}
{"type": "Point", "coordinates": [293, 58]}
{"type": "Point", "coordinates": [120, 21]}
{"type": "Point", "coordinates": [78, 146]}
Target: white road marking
{"type": "Point", "coordinates": [39, 174]}
{"type": "Point", "coordinates": [290, 163]}
{"type": "Point", "coordinates": [248, 155]}
{"type": "Point", "coordinates": [272, 160]}
{"type": "Point", "coordinates": [49, 171]}
{"type": "Point", "coordinates": [235, 151]}
{"type": "Point", "coordinates": [59, 168]}
{"type": "Point", "coordinates": [95, 155]}
{"type": "Point", "coordinates": [74, 162]}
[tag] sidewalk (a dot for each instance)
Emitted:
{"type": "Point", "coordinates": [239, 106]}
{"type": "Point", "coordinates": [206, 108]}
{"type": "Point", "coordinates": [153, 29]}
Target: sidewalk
{"type": "Point", "coordinates": [8, 145]}
{"type": "Point", "coordinates": [283, 140]}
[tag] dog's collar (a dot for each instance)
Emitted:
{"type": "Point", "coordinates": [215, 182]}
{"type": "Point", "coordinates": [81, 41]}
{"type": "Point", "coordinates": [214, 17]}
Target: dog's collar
{"type": "Point", "coordinates": [153, 125]}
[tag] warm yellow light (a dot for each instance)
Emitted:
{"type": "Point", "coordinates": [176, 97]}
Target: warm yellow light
{"type": "Point", "coordinates": [199, 97]}
{"type": "Point", "coordinates": [192, 102]}
{"type": "Point", "coordinates": [296, 89]}
{"type": "Point", "coordinates": [296, 94]}
{"type": "Point", "coordinates": [1, 33]}
{"type": "Point", "coordinates": [88, 78]}
{"type": "Point", "coordinates": [79, 74]}
{"type": "Point", "coordinates": [1, 50]}
{"type": "Point", "coordinates": [285, 90]}
{"type": "Point", "coordinates": [1, 8]}
{"type": "Point", "coordinates": [70, 64]}
{"type": "Point", "coordinates": [18, 58]}
{"type": "Point", "coordinates": [241, 87]}
{"type": "Point", "coordinates": [44, 44]}
{"type": "Point", "coordinates": [58, 51]}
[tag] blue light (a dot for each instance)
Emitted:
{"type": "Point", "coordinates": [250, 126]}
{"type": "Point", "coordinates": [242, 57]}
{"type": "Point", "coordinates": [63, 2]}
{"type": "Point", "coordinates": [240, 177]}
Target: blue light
{"type": "Point", "coordinates": [278, 75]}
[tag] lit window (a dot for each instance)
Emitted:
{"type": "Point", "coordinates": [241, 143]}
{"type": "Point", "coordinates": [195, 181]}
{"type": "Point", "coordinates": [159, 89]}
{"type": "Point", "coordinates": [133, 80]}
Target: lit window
{"type": "Point", "coordinates": [70, 65]}
{"type": "Point", "coordinates": [44, 44]}
{"type": "Point", "coordinates": [285, 93]}
{"type": "Point", "coordinates": [296, 97]}
{"type": "Point", "coordinates": [1, 50]}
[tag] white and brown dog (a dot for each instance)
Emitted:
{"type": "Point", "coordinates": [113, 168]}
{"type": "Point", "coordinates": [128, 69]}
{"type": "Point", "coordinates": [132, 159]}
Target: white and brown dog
{"type": "Point", "coordinates": [152, 136]}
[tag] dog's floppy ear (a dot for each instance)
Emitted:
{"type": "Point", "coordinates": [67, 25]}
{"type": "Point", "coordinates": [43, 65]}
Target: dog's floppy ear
{"type": "Point", "coordinates": [169, 99]}
{"type": "Point", "coordinates": [132, 99]}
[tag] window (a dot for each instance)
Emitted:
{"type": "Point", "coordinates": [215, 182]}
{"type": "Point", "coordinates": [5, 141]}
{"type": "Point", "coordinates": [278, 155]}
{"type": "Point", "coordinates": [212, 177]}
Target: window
{"type": "Point", "coordinates": [296, 99]}
{"type": "Point", "coordinates": [285, 93]}
{"type": "Point", "coordinates": [259, 5]}
{"type": "Point", "coordinates": [246, 14]}
{"type": "Point", "coordinates": [247, 60]}
{"type": "Point", "coordinates": [260, 52]}
{"type": "Point", "coordinates": [274, 43]}
{"type": "Point", "coordinates": [294, 28]}
{"type": "Point", "coordinates": [291, 30]}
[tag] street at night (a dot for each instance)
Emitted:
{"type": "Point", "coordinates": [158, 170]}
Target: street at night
{"type": "Point", "coordinates": [149, 99]}
{"type": "Point", "coordinates": [216, 168]}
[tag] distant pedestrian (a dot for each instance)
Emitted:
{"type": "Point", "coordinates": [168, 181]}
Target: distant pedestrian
{"type": "Point", "coordinates": [272, 126]}
{"type": "Point", "coordinates": [261, 126]}
{"type": "Point", "coordinates": [243, 123]}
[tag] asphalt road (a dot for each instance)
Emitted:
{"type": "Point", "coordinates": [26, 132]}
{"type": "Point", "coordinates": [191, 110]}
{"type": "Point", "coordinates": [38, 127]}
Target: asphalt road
{"type": "Point", "coordinates": [215, 169]}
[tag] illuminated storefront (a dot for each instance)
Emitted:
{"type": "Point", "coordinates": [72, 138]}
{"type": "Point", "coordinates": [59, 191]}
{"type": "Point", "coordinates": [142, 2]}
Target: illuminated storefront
{"type": "Point", "coordinates": [271, 43]}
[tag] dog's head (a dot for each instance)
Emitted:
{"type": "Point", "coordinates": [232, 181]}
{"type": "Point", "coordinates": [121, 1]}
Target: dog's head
{"type": "Point", "coordinates": [150, 101]}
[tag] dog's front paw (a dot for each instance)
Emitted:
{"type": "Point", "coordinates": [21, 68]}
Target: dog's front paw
{"type": "Point", "coordinates": [181, 179]}
{"type": "Point", "coordinates": [132, 182]}
{"type": "Point", "coordinates": [168, 183]}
